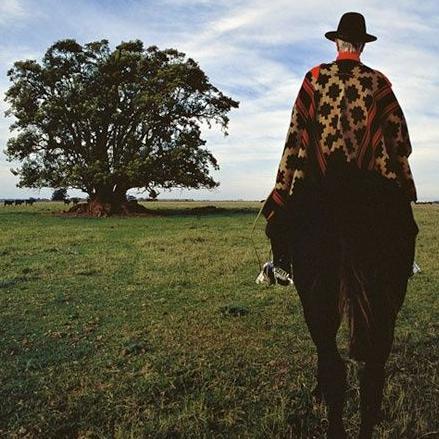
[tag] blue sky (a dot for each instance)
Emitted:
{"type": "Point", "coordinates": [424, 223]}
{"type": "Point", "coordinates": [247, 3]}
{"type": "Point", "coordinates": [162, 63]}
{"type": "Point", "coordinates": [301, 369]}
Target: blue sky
{"type": "Point", "coordinates": [256, 51]}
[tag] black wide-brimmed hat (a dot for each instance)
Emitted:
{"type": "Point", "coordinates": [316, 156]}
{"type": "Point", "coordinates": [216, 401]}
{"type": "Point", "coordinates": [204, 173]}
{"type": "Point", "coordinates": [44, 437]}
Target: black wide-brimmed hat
{"type": "Point", "coordinates": [351, 28]}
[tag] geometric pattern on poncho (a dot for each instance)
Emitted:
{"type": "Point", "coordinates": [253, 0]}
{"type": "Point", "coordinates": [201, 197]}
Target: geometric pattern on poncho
{"type": "Point", "coordinates": [346, 110]}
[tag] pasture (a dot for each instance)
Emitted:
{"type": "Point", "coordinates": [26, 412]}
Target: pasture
{"type": "Point", "coordinates": [154, 327]}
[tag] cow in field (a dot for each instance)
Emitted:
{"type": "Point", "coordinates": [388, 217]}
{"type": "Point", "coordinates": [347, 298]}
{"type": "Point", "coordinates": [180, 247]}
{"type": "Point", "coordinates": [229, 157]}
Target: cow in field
{"type": "Point", "coordinates": [18, 202]}
{"type": "Point", "coordinates": [8, 202]}
{"type": "Point", "coordinates": [30, 202]}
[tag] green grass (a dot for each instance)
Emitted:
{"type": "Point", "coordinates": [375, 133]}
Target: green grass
{"type": "Point", "coordinates": [119, 327]}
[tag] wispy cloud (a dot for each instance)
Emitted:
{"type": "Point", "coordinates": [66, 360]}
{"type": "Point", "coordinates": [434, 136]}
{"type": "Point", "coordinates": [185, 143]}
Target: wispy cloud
{"type": "Point", "coordinates": [11, 10]}
{"type": "Point", "coordinates": [258, 52]}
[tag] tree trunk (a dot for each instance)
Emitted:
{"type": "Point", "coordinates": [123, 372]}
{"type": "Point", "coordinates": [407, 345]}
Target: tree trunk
{"type": "Point", "coordinates": [106, 202]}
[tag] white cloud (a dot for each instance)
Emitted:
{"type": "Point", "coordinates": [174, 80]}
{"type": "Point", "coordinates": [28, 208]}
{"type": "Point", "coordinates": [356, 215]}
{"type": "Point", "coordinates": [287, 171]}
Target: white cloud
{"type": "Point", "coordinates": [11, 10]}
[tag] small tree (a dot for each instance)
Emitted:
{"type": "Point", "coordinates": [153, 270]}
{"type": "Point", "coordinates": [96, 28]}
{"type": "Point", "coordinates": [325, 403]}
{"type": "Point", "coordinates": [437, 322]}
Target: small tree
{"type": "Point", "coordinates": [59, 194]}
{"type": "Point", "coordinates": [106, 121]}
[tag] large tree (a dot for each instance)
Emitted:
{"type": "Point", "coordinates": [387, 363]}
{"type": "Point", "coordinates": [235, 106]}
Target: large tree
{"type": "Point", "coordinates": [105, 121]}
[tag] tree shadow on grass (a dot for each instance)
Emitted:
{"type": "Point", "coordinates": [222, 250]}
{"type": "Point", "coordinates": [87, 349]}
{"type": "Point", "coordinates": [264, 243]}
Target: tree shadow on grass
{"type": "Point", "coordinates": [207, 210]}
{"type": "Point", "coordinates": [197, 211]}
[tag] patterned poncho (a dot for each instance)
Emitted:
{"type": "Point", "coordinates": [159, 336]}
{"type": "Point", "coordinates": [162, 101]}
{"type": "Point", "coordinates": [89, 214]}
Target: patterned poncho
{"type": "Point", "coordinates": [345, 117]}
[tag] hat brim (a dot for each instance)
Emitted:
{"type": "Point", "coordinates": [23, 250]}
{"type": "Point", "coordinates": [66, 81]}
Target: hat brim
{"type": "Point", "coordinates": [366, 38]}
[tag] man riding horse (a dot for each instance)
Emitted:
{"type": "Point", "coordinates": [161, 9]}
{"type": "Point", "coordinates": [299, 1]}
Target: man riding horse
{"type": "Point", "coordinates": [340, 217]}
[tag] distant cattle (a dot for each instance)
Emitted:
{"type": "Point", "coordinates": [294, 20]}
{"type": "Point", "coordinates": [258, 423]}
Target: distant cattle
{"type": "Point", "coordinates": [73, 200]}
{"type": "Point", "coordinates": [28, 202]}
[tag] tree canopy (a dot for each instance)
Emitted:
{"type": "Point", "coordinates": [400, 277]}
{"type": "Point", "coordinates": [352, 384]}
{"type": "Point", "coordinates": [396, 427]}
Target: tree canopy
{"type": "Point", "coordinates": [105, 121]}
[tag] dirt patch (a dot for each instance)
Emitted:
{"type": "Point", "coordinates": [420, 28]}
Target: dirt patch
{"type": "Point", "coordinates": [98, 210]}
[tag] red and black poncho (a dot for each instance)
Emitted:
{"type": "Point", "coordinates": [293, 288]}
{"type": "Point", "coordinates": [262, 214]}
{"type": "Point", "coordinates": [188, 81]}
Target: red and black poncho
{"type": "Point", "coordinates": [345, 121]}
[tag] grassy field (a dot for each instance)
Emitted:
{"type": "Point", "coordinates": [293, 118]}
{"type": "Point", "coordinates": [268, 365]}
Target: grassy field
{"type": "Point", "coordinates": [125, 328]}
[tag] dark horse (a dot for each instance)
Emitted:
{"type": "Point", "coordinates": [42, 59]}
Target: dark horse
{"type": "Point", "coordinates": [351, 245]}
